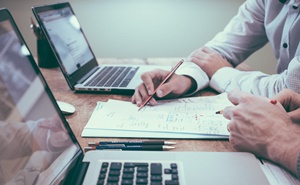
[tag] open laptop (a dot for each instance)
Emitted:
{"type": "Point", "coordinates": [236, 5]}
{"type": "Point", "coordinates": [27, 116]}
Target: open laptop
{"type": "Point", "coordinates": [38, 146]}
{"type": "Point", "coordinates": [75, 56]}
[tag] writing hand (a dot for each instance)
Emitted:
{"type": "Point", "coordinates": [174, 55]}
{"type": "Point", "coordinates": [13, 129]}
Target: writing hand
{"type": "Point", "coordinates": [174, 87]}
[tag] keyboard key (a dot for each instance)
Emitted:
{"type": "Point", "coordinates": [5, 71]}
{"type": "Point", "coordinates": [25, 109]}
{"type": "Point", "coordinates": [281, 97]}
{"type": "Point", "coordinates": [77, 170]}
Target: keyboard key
{"type": "Point", "coordinates": [156, 169]}
{"type": "Point", "coordinates": [138, 173]}
{"type": "Point", "coordinates": [115, 166]}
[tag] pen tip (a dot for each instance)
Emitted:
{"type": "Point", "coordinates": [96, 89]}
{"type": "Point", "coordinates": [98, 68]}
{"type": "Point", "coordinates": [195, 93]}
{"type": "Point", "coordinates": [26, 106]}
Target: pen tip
{"type": "Point", "coordinates": [88, 148]}
{"type": "Point", "coordinates": [170, 143]}
{"type": "Point", "coordinates": [168, 147]}
{"type": "Point", "coordinates": [91, 143]}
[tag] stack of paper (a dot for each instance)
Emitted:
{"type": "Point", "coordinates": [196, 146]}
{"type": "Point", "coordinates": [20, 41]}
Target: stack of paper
{"type": "Point", "coordinates": [177, 118]}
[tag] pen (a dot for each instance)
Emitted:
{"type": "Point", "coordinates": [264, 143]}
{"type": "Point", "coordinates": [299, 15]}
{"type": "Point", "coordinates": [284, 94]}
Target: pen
{"type": "Point", "coordinates": [133, 143]}
{"type": "Point", "coordinates": [219, 112]}
{"type": "Point", "coordinates": [164, 81]}
{"type": "Point", "coordinates": [130, 147]}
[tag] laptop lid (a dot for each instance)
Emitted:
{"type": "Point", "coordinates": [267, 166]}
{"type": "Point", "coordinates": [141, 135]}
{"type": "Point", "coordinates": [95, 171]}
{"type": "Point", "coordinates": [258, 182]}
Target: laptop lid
{"type": "Point", "coordinates": [37, 145]}
{"type": "Point", "coordinates": [63, 31]}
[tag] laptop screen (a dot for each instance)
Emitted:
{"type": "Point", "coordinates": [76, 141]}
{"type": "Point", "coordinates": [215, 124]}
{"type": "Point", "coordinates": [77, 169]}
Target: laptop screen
{"type": "Point", "coordinates": [69, 44]}
{"type": "Point", "coordinates": [36, 143]}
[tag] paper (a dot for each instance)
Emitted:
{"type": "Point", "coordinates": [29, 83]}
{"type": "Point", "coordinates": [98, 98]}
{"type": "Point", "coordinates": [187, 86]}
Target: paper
{"type": "Point", "coordinates": [177, 116]}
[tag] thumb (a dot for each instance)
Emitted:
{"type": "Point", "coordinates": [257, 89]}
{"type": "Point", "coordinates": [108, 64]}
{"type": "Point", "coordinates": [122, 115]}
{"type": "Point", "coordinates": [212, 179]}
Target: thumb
{"type": "Point", "coordinates": [295, 115]}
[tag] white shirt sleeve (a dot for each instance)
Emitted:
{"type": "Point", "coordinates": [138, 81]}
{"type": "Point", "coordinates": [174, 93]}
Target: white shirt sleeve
{"type": "Point", "coordinates": [192, 70]}
{"type": "Point", "coordinates": [258, 83]}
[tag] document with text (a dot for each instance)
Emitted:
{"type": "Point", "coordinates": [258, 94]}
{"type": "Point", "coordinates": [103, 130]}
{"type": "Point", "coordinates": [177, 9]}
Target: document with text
{"type": "Point", "coordinates": [196, 115]}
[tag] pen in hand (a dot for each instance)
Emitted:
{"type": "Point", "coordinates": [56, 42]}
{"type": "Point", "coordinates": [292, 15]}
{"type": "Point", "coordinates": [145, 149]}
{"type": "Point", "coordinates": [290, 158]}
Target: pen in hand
{"type": "Point", "coordinates": [164, 81]}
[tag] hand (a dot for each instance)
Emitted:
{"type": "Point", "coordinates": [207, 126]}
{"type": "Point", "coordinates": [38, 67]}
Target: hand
{"type": "Point", "coordinates": [262, 128]}
{"type": "Point", "coordinates": [174, 87]}
{"type": "Point", "coordinates": [208, 60]}
{"type": "Point", "coordinates": [290, 100]}
{"type": "Point", "coordinates": [50, 135]}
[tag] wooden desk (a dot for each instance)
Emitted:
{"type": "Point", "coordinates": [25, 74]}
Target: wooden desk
{"type": "Point", "coordinates": [85, 104]}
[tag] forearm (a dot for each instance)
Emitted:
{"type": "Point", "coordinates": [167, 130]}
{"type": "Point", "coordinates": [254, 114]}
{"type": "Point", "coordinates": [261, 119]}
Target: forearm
{"type": "Point", "coordinates": [257, 83]}
{"type": "Point", "coordinates": [243, 35]}
{"type": "Point", "coordinates": [286, 152]}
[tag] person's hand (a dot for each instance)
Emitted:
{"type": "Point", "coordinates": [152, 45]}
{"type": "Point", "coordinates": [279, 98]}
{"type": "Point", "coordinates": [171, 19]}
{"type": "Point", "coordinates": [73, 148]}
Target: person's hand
{"type": "Point", "coordinates": [50, 135]}
{"type": "Point", "coordinates": [290, 100]}
{"type": "Point", "coordinates": [262, 128]}
{"type": "Point", "coordinates": [174, 87]}
{"type": "Point", "coordinates": [208, 60]}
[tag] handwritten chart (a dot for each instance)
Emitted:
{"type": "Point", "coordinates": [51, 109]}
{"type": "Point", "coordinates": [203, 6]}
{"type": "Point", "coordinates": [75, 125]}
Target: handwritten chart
{"type": "Point", "coordinates": [185, 115]}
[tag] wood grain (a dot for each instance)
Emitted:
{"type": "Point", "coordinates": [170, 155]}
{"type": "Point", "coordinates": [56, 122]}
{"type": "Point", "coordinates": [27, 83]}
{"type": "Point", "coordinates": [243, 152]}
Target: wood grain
{"type": "Point", "coordinates": [85, 104]}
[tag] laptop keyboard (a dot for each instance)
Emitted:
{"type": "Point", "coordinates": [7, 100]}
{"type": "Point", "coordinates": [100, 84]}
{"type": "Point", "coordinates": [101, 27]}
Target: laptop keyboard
{"type": "Point", "coordinates": [124, 173]}
{"type": "Point", "coordinates": [113, 76]}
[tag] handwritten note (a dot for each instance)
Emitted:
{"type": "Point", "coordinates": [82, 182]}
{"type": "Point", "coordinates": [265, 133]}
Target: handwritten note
{"type": "Point", "coordinates": [184, 115]}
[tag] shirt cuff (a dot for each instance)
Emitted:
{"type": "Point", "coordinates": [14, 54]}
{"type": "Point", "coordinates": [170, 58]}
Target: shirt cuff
{"type": "Point", "coordinates": [192, 70]}
{"type": "Point", "coordinates": [222, 78]}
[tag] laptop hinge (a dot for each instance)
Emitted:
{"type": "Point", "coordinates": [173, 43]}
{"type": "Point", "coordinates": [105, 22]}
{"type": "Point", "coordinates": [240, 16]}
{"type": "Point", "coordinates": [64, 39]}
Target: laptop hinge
{"type": "Point", "coordinates": [77, 174]}
{"type": "Point", "coordinates": [88, 75]}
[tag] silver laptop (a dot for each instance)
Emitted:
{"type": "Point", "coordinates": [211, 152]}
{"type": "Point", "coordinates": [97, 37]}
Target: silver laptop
{"type": "Point", "coordinates": [75, 56]}
{"type": "Point", "coordinates": [38, 147]}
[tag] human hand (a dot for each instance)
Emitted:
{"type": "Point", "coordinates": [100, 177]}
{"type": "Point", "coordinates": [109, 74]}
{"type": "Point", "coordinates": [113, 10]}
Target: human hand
{"type": "Point", "coordinates": [208, 60]}
{"type": "Point", "coordinates": [50, 135]}
{"type": "Point", "coordinates": [290, 100]}
{"type": "Point", "coordinates": [262, 128]}
{"type": "Point", "coordinates": [174, 87]}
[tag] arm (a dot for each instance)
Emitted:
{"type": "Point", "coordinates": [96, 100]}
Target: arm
{"type": "Point", "coordinates": [243, 35]}
{"type": "Point", "coordinates": [258, 83]}
{"type": "Point", "coordinates": [271, 135]}
{"type": "Point", "coordinates": [189, 78]}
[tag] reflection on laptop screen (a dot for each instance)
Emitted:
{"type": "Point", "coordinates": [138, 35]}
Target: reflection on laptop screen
{"type": "Point", "coordinates": [70, 44]}
{"type": "Point", "coordinates": [35, 146]}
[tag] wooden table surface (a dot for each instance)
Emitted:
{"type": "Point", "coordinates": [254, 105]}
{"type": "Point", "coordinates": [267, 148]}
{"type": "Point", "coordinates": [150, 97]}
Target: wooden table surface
{"type": "Point", "coordinates": [85, 104]}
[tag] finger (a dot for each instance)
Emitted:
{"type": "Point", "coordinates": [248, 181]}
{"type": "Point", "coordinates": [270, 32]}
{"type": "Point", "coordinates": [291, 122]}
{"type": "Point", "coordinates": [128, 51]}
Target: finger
{"type": "Point", "coordinates": [140, 95]}
{"type": "Point", "coordinates": [227, 112]}
{"type": "Point", "coordinates": [165, 89]}
{"type": "Point", "coordinates": [150, 77]}
{"type": "Point", "coordinates": [289, 99]}
{"type": "Point", "coordinates": [234, 96]}
{"type": "Point", "coordinates": [295, 115]}
{"type": "Point", "coordinates": [207, 50]}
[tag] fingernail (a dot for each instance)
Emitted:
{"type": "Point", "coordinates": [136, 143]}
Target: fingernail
{"type": "Point", "coordinates": [149, 92]}
{"type": "Point", "coordinates": [159, 93]}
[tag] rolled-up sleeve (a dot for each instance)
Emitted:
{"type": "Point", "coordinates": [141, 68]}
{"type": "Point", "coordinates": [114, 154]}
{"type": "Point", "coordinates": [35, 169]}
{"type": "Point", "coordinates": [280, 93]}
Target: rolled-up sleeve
{"type": "Point", "coordinates": [192, 70]}
{"type": "Point", "coordinates": [257, 83]}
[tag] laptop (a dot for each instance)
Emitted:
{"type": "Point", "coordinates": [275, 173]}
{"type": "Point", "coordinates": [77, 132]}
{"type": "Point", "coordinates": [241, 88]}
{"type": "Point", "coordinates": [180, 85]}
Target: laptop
{"type": "Point", "coordinates": [38, 146]}
{"type": "Point", "coordinates": [76, 58]}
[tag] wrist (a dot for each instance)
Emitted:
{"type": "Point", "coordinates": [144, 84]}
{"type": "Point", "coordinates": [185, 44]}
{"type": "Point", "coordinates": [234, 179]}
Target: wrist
{"type": "Point", "coordinates": [285, 149]}
{"type": "Point", "coordinates": [191, 85]}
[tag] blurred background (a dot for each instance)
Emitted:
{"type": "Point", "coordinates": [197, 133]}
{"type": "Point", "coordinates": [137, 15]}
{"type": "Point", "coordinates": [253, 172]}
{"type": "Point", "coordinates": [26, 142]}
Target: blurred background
{"type": "Point", "coordinates": [145, 28]}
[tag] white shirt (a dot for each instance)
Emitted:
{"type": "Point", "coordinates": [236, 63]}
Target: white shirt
{"type": "Point", "coordinates": [257, 23]}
